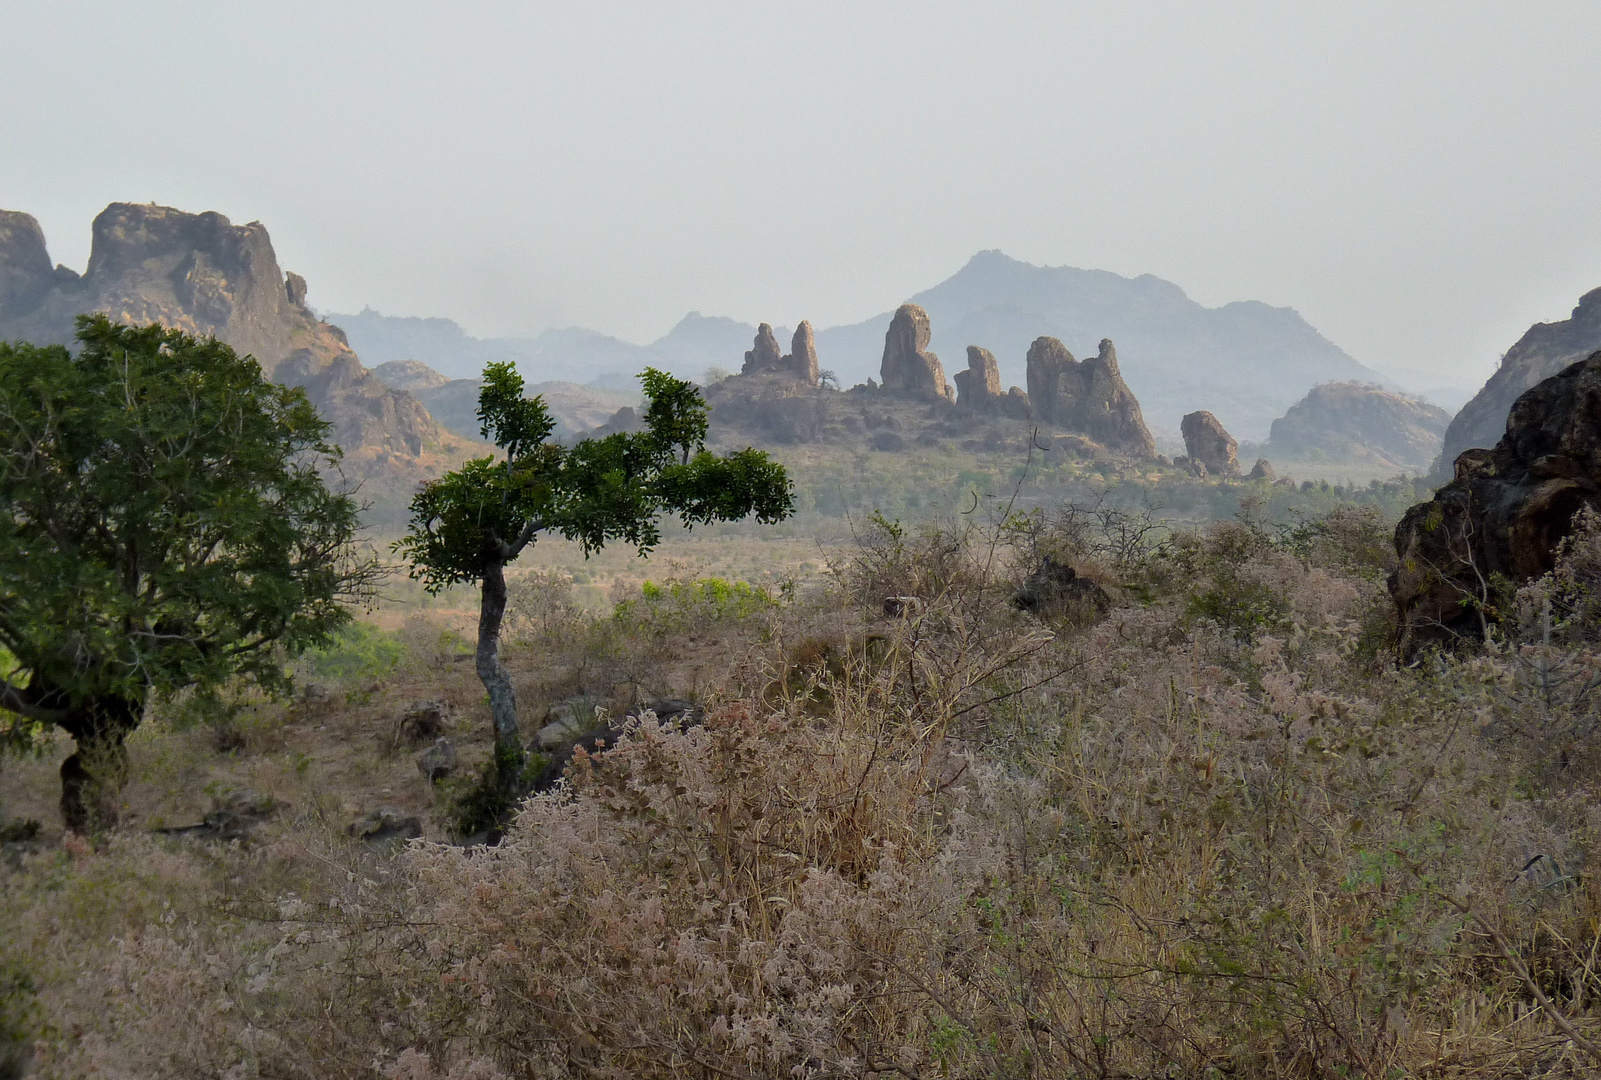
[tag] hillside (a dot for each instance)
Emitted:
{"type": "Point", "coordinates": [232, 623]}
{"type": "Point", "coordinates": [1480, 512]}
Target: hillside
{"type": "Point", "coordinates": [1247, 362]}
{"type": "Point", "coordinates": [1544, 350]}
{"type": "Point", "coordinates": [1359, 423]}
{"type": "Point", "coordinates": [454, 402]}
{"type": "Point", "coordinates": [202, 274]}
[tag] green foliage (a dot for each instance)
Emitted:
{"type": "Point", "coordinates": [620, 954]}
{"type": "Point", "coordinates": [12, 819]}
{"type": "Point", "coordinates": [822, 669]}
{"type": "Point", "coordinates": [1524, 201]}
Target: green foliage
{"type": "Point", "coordinates": [600, 490]}
{"type": "Point", "coordinates": [675, 606]}
{"type": "Point", "coordinates": [19, 1021]}
{"type": "Point", "coordinates": [357, 652]}
{"type": "Point", "coordinates": [162, 520]}
{"type": "Point", "coordinates": [487, 804]}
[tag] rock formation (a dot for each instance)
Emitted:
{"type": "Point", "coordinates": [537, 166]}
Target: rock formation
{"type": "Point", "coordinates": [978, 388]}
{"type": "Point", "coordinates": [1262, 470]}
{"type": "Point", "coordinates": [1360, 422]}
{"type": "Point", "coordinates": [765, 355]}
{"type": "Point", "coordinates": [908, 367]}
{"type": "Point", "coordinates": [1545, 350]}
{"type": "Point", "coordinates": [1206, 441]}
{"type": "Point", "coordinates": [801, 363]}
{"type": "Point", "coordinates": [204, 275]}
{"type": "Point", "coordinates": [1089, 397]}
{"type": "Point", "coordinates": [1503, 514]}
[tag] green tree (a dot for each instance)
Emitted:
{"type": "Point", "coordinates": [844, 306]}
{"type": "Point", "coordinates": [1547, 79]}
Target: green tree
{"type": "Point", "coordinates": [469, 524]}
{"type": "Point", "coordinates": [163, 525]}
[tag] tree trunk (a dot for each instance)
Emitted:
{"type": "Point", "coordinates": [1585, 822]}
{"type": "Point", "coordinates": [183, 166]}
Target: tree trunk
{"type": "Point", "coordinates": [92, 776]}
{"type": "Point", "coordinates": [509, 757]}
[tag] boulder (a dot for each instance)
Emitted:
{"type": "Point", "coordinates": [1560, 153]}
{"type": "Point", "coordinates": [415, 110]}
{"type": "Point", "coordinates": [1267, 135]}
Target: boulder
{"type": "Point", "coordinates": [424, 721]}
{"type": "Point", "coordinates": [1206, 441]}
{"type": "Point", "coordinates": [888, 442]}
{"type": "Point", "coordinates": [765, 355]}
{"type": "Point", "coordinates": [1056, 588]}
{"type": "Point", "coordinates": [1088, 397]}
{"type": "Point", "coordinates": [908, 367]}
{"type": "Point", "coordinates": [386, 828]}
{"type": "Point", "coordinates": [1262, 470]}
{"type": "Point", "coordinates": [1502, 515]}
{"type": "Point", "coordinates": [438, 761]}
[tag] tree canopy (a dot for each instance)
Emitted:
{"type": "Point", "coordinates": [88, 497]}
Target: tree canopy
{"type": "Point", "coordinates": [469, 524]}
{"type": "Point", "coordinates": [163, 525]}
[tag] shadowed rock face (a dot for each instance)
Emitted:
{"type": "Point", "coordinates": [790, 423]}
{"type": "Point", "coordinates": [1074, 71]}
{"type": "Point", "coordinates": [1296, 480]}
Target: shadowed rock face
{"type": "Point", "coordinates": [1089, 397]}
{"type": "Point", "coordinates": [1360, 422]}
{"type": "Point", "coordinates": [1505, 511]}
{"type": "Point", "coordinates": [206, 276]}
{"type": "Point", "coordinates": [1206, 441]}
{"type": "Point", "coordinates": [1545, 350]}
{"type": "Point", "coordinates": [908, 367]}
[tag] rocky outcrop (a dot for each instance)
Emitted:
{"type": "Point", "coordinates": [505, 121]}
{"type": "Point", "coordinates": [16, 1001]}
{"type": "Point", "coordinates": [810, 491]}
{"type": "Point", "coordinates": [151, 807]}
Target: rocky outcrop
{"type": "Point", "coordinates": [1503, 514]}
{"type": "Point", "coordinates": [1207, 442]}
{"type": "Point", "coordinates": [1262, 470]}
{"type": "Point", "coordinates": [1360, 422]}
{"type": "Point", "coordinates": [204, 275]}
{"type": "Point", "coordinates": [908, 367]}
{"type": "Point", "coordinates": [1545, 350]}
{"type": "Point", "coordinates": [801, 363]}
{"type": "Point", "coordinates": [764, 355]}
{"type": "Point", "coordinates": [978, 388]}
{"type": "Point", "coordinates": [1089, 397]}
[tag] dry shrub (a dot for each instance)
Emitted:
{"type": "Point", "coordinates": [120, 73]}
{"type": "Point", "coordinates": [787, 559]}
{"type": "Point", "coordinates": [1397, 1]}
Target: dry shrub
{"type": "Point", "coordinates": [1205, 837]}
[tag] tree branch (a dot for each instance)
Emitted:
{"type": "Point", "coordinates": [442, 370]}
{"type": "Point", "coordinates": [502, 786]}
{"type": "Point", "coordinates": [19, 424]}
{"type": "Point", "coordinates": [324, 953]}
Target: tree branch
{"type": "Point", "coordinates": [15, 699]}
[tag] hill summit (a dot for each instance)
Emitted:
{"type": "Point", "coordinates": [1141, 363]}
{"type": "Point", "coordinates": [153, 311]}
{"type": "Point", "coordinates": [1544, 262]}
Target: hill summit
{"type": "Point", "coordinates": [204, 275]}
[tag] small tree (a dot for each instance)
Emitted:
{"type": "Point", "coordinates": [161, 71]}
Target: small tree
{"type": "Point", "coordinates": [163, 525]}
{"type": "Point", "coordinates": [469, 524]}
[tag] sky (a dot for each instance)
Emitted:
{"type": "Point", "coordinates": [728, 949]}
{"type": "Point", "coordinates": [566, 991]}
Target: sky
{"type": "Point", "coordinates": [1419, 180]}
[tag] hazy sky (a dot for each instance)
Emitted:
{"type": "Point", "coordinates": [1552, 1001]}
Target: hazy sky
{"type": "Point", "coordinates": [1419, 180]}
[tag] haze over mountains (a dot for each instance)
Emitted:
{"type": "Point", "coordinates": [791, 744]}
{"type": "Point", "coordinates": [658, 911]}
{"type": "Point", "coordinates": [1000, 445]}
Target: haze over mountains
{"type": "Point", "coordinates": [1246, 361]}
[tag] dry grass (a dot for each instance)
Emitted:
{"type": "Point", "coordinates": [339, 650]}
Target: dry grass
{"type": "Point", "coordinates": [1216, 833]}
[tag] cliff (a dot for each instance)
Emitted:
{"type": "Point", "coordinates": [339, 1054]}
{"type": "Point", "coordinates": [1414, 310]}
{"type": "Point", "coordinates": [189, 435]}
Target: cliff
{"type": "Point", "coordinates": [1543, 351]}
{"type": "Point", "coordinates": [204, 275]}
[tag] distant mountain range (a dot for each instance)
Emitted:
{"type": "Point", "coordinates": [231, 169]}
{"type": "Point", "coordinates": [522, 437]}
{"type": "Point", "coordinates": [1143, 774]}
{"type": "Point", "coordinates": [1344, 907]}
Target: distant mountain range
{"type": "Point", "coordinates": [1246, 362]}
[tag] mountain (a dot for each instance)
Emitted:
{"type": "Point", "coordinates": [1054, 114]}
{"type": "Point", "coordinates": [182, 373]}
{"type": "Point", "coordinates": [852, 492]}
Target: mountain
{"type": "Point", "coordinates": [1543, 351]}
{"type": "Point", "coordinates": [1359, 422]}
{"type": "Point", "coordinates": [454, 402]}
{"type": "Point", "coordinates": [1246, 362]}
{"type": "Point", "coordinates": [695, 344]}
{"type": "Point", "coordinates": [202, 274]}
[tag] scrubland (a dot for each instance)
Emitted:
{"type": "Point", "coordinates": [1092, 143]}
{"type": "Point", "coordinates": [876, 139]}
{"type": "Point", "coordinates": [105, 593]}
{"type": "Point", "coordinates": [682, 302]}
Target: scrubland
{"type": "Point", "coordinates": [1195, 823]}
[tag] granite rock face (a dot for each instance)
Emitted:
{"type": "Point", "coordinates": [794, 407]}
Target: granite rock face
{"type": "Point", "coordinates": [1543, 351]}
{"type": "Point", "coordinates": [206, 276]}
{"type": "Point", "coordinates": [1361, 422]}
{"type": "Point", "coordinates": [908, 367]}
{"type": "Point", "coordinates": [1089, 397]}
{"type": "Point", "coordinates": [1208, 442]}
{"type": "Point", "coordinates": [764, 355]}
{"type": "Point", "coordinates": [801, 363]}
{"type": "Point", "coordinates": [1504, 513]}
{"type": "Point", "coordinates": [978, 388]}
